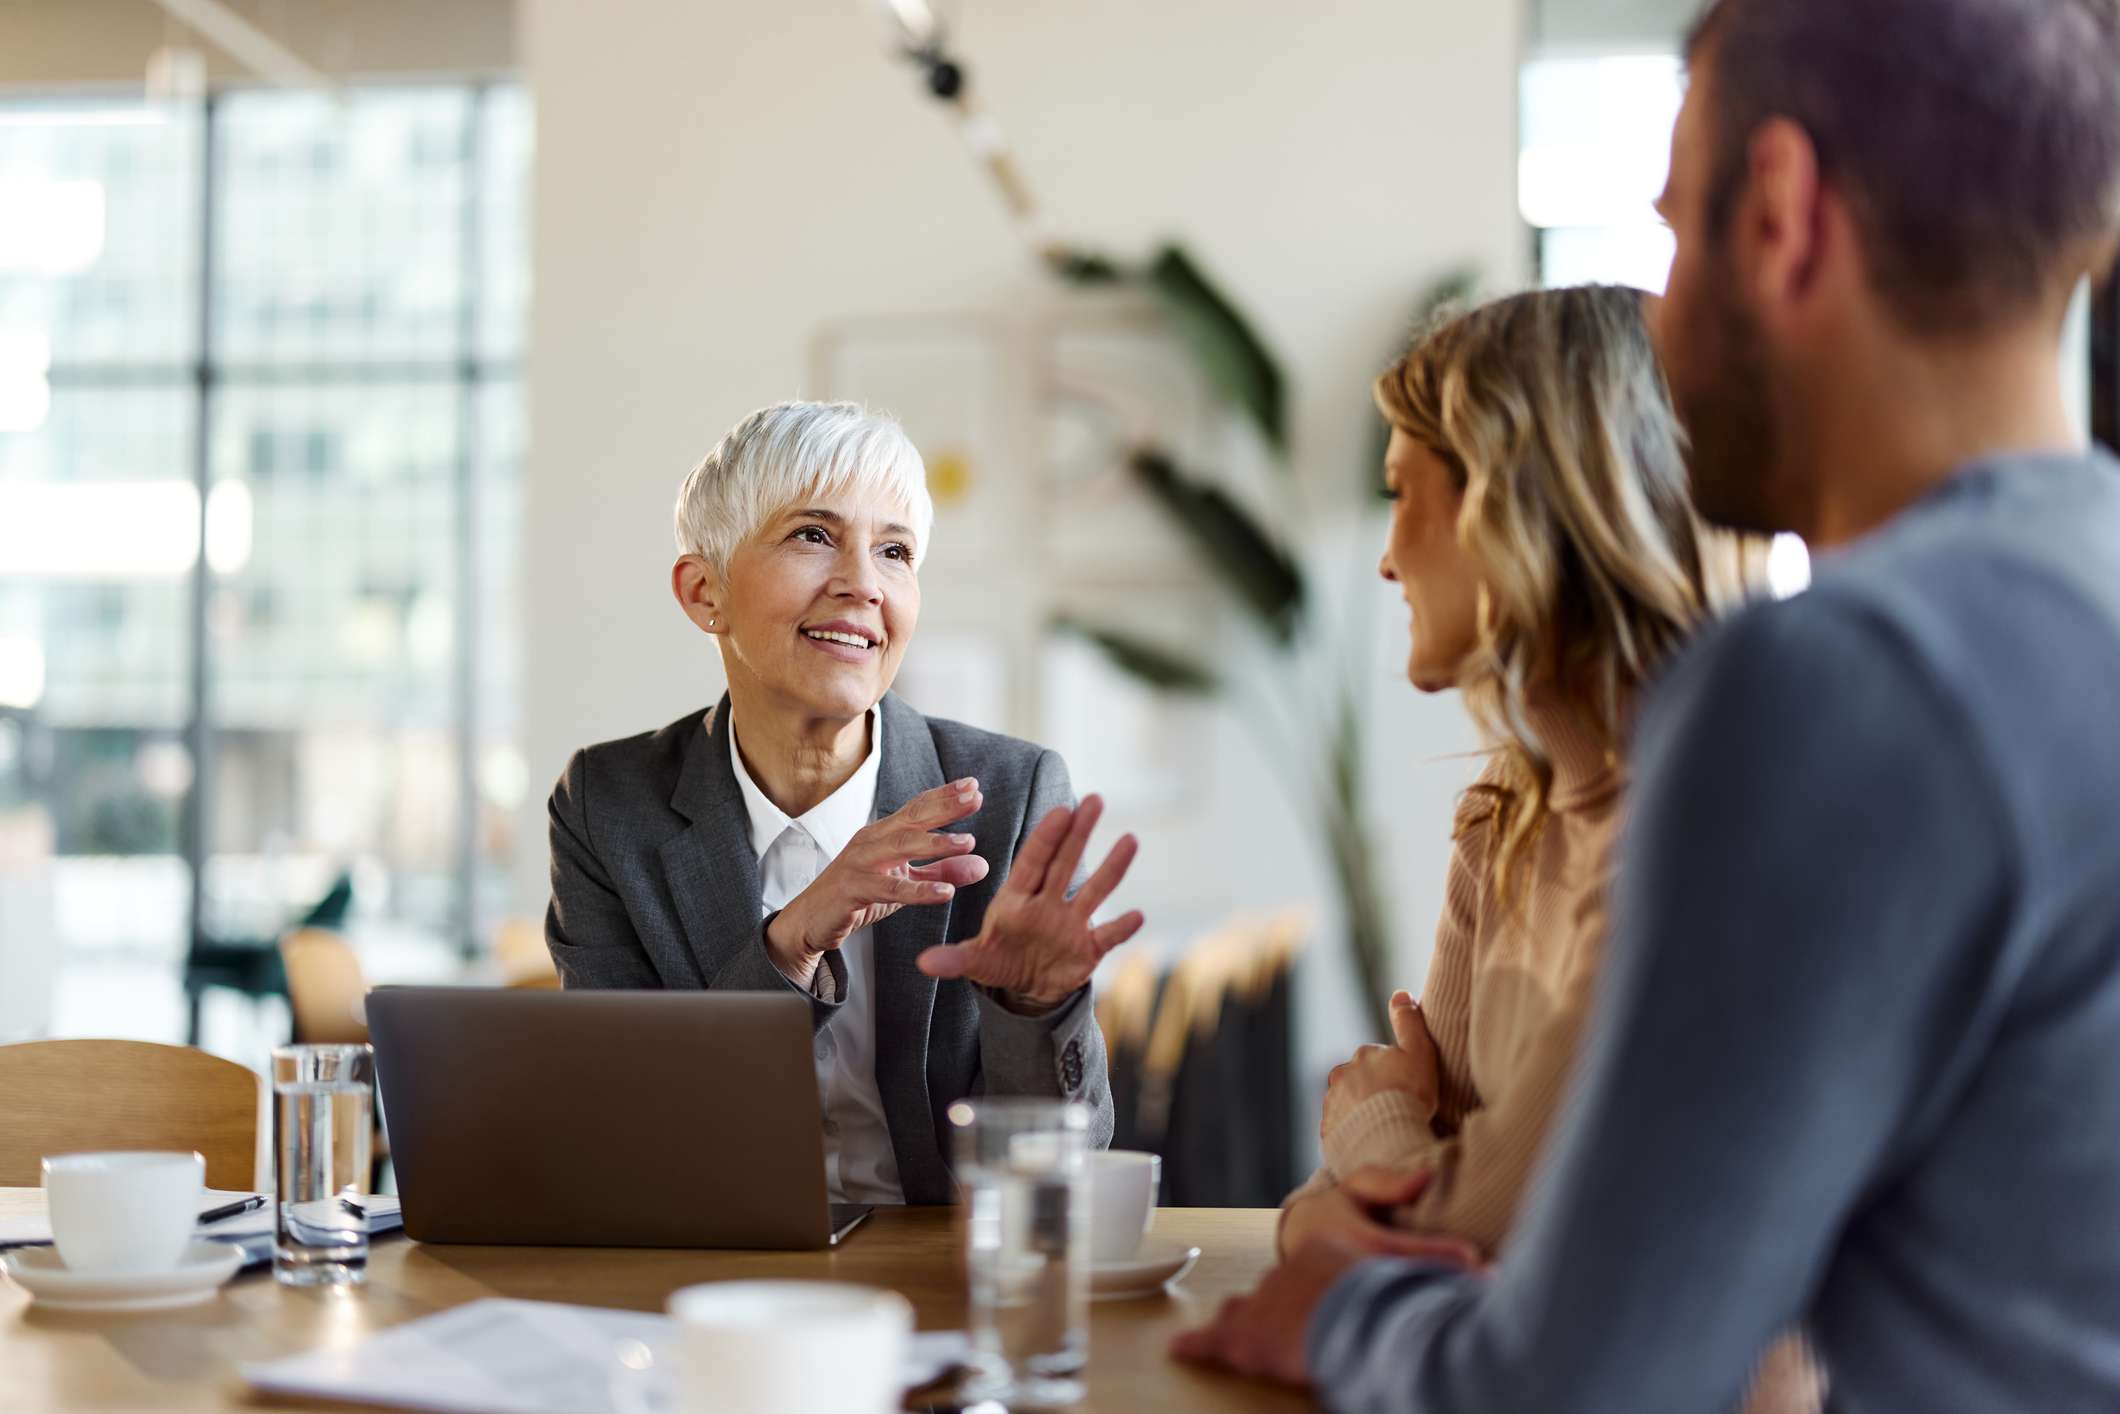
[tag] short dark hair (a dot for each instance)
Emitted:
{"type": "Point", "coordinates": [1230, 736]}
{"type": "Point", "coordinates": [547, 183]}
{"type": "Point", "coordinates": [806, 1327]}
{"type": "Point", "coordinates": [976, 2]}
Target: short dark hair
{"type": "Point", "coordinates": [1978, 140]}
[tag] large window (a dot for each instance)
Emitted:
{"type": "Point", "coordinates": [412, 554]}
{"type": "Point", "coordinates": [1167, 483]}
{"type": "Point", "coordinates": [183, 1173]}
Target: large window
{"type": "Point", "coordinates": [259, 425]}
{"type": "Point", "coordinates": [1596, 134]}
{"type": "Point", "coordinates": [1596, 148]}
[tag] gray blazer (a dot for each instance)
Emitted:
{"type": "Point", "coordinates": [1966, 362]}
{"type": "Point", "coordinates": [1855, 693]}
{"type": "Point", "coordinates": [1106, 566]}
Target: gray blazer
{"type": "Point", "coordinates": [654, 885]}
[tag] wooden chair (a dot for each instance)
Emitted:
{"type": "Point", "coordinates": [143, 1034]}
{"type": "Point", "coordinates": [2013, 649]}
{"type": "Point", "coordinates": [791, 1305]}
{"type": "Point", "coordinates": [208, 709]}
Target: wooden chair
{"type": "Point", "coordinates": [330, 996]}
{"type": "Point", "coordinates": [61, 1097]}
{"type": "Point", "coordinates": [325, 985]}
{"type": "Point", "coordinates": [525, 961]}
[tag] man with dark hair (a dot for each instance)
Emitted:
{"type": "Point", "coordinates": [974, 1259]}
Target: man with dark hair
{"type": "Point", "coordinates": [1856, 1063]}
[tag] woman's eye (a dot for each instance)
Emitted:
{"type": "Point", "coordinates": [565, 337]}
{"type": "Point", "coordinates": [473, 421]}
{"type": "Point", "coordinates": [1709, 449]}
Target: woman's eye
{"type": "Point", "coordinates": [814, 535]}
{"type": "Point", "coordinates": [898, 552]}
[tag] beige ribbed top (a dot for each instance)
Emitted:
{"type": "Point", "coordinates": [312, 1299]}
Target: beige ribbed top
{"type": "Point", "coordinates": [1508, 992]}
{"type": "Point", "coordinates": [1508, 986]}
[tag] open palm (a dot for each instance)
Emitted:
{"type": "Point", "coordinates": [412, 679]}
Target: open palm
{"type": "Point", "coordinates": [1038, 943]}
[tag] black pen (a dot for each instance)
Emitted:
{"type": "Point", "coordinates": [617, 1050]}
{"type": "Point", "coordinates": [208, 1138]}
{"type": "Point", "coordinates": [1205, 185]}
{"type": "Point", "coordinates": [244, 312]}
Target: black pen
{"type": "Point", "coordinates": [229, 1210]}
{"type": "Point", "coordinates": [211, 1215]}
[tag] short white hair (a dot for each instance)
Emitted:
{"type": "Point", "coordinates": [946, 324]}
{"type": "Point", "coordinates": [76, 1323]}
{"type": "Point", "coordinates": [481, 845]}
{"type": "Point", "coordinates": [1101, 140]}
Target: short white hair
{"type": "Point", "coordinates": [781, 454]}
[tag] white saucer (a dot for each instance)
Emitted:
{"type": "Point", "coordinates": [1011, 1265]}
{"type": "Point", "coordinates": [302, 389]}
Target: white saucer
{"type": "Point", "coordinates": [1143, 1275]}
{"type": "Point", "coordinates": [197, 1275]}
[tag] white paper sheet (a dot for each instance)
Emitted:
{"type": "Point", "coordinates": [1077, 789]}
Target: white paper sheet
{"type": "Point", "coordinates": [19, 1229]}
{"type": "Point", "coordinates": [517, 1357]}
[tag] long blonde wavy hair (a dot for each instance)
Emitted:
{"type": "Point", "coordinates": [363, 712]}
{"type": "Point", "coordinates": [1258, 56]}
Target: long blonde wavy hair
{"type": "Point", "coordinates": [1551, 413]}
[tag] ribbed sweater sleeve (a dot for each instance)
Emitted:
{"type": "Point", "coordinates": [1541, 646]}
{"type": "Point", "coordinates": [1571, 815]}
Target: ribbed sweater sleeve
{"type": "Point", "coordinates": [1481, 1168]}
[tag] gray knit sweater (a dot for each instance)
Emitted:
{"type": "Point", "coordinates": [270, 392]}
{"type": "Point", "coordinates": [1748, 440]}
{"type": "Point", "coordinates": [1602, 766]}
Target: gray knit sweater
{"type": "Point", "coordinates": [1855, 1060]}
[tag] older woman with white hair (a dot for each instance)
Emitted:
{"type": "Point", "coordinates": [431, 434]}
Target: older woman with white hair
{"type": "Point", "coordinates": [812, 834]}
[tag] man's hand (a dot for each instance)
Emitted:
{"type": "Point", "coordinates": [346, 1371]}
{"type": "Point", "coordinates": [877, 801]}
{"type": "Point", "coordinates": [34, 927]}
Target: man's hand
{"type": "Point", "coordinates": [1263, 1334]}
{"type": "Point", "coordinates": [1354, 1213]}
{"type": "Point", "coordinates": [1037, 944]}
{"type": "Point", "coordinates": [1409, 1065]}
{"type": "Point", "coordinates": [875, 876]}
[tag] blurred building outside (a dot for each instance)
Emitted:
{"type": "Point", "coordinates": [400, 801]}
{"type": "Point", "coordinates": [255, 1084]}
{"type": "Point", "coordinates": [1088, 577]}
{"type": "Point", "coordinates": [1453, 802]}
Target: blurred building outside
{"type": "Point", "coordinates": [312, 308]}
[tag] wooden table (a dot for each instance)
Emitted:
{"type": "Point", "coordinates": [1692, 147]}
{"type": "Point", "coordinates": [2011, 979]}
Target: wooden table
{"type": "Point", "coordinates": [187, 1359]}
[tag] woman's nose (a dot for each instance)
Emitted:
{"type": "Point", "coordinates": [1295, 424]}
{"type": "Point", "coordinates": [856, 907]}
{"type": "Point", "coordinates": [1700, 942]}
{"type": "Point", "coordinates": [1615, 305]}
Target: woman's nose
{"type": "Point", "coordinates": [857, 578]}
{"type": "Point", "coordinates": [1384, 567]}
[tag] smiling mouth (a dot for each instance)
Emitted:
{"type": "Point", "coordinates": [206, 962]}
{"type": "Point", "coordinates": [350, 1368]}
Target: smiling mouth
{"type": "Point", "coordinates": [857, 642]}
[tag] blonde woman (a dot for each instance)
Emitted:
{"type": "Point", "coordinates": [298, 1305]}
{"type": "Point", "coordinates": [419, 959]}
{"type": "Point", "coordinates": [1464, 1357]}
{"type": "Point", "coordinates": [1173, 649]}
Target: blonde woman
{"type": "Point", "coordinates": [1551, 562]}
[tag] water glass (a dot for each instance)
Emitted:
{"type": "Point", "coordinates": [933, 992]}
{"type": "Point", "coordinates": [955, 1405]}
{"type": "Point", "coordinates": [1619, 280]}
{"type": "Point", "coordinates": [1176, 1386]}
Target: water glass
{"type": "Point", "coordinates": [1023, 1167]}
{"type": "Point", "coordinates": [322, 1099]}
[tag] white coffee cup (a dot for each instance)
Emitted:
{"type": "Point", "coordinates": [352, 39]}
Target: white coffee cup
{"type": "Point", "coordinates": [794, 1347]}
{"type": "Point", "coordinates": [1122, 1202]}
{"type": "Point", "coordinates": [123, 1212]}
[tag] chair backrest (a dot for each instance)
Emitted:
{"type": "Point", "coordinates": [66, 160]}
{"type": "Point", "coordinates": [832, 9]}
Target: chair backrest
{"type": "Point", "coordinates": [63, 1097]}
{"type": "Point", "coordinates": [325, 984]}
{"type": "Point", "coordinates": [525, 961]}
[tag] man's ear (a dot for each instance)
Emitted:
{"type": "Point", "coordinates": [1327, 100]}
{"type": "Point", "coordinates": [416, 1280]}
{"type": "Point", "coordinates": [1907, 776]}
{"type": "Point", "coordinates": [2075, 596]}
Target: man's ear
{"type": "Point", "coordinates": [699, 593]}
{"type": "Point", "coordinates": [1780, 230]}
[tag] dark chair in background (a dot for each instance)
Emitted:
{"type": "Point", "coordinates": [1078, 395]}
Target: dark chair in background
{"type": "Point", "coordinates": [1202, 1067]}
{"type": "Point", "coordinates": [252, 965]}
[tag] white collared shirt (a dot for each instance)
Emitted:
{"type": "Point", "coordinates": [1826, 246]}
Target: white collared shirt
{"type": "Point", "coordinates": [859, 1165]}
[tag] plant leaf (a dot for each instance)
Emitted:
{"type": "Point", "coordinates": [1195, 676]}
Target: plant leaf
{"type": "Point", "coordinates": [1164, 669]}
{"type": "Point", "coordinates": [1263, 575]}
{"type": "Point", "coordinates": [1346, 755]}
{"type": "Point", "coordinates": [1077, 266]}
{"type": "Point", "coordinates": [1235, 359]}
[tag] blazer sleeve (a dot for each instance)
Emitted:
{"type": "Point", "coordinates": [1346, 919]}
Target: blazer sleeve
{"type": "Point", "coordinates": [752, 969]}
{"type": "Point", "coordinates": [592, 939]}
{"type": "Point", "coordinates": [1059, 1052]}
{"type": "Point", "coordinates": [587, 929]}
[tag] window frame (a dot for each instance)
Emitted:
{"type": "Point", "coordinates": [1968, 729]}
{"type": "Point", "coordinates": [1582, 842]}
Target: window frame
{"type": "Point", "coordinates": [471, 369]}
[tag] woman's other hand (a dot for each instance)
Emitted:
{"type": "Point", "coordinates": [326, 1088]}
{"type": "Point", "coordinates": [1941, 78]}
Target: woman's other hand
{"type": "Point", "coordinates": [1409, 1064]}
{"type": "Point", "coordinates": [875, 876]}
{"type": "Point", "coordinates": [1355, 1213]}
{"type": "Point", "coordinates": [1038, 945]}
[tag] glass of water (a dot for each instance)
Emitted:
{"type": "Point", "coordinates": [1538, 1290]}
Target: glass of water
{"type": "Point", "coordinates": [1023, 1167]}
{"type": "Point", "coordinates": [322, 1099]}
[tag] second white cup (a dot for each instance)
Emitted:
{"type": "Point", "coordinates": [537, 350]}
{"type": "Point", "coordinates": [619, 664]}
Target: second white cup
{"type": "Point", "coordinates": [794, 1347]}
{"type": "Point", "coordinates": [123, 1212]}
{"type": "Point", "coordinates": [1122, 1202]}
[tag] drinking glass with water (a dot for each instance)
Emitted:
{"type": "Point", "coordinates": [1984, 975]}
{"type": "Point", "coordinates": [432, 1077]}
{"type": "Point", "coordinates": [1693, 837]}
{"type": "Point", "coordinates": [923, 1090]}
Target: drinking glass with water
{"type": "Point", "coordinates": [1024, 1170]}
{"type": "Point", "coordinates": [323, 1121]}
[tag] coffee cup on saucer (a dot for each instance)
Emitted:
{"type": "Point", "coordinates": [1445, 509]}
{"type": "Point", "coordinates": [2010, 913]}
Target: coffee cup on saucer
{"type": "Point", "coordinates": [123, 1212]}
{"type": "Point", "coordinates": [1123, 1186]}
{"type": "Point", "coordinates": [1122, 1202]}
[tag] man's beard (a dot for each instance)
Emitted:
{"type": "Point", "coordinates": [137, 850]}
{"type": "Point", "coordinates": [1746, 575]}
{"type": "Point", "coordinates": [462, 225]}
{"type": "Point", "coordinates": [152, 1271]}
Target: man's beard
{"type": "Point", "coordinates": [1725, 405]}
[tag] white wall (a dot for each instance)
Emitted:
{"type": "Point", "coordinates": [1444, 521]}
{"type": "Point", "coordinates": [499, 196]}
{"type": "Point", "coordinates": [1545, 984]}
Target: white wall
{"type": "Point", "coordinates": [716, 180]}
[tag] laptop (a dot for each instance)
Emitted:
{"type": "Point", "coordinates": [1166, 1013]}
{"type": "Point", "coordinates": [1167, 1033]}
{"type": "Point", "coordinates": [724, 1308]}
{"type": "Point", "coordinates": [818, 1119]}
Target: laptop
{"type": "Point", "coordinates": [605, 1119]}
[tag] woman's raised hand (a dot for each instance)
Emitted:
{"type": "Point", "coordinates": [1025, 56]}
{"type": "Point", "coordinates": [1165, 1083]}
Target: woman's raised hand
{"type": "Point", "coordinates": [875, 876]}
{"type": "Point", "coordinates": [1409, 1064]}
{"type": "Point", "coordinates": [1037, 943]}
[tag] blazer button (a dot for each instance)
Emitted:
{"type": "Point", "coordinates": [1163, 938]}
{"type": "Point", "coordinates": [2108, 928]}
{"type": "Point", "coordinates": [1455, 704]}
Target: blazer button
{"type": "Point", "coordinates": [1071, 1067]}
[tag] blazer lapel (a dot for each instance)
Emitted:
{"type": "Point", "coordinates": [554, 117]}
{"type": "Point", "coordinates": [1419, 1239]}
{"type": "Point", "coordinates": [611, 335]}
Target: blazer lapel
{"type": "Point", "coordinates": [710, 869]}
{"type": "Point", "coordinates": [905, 996]}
